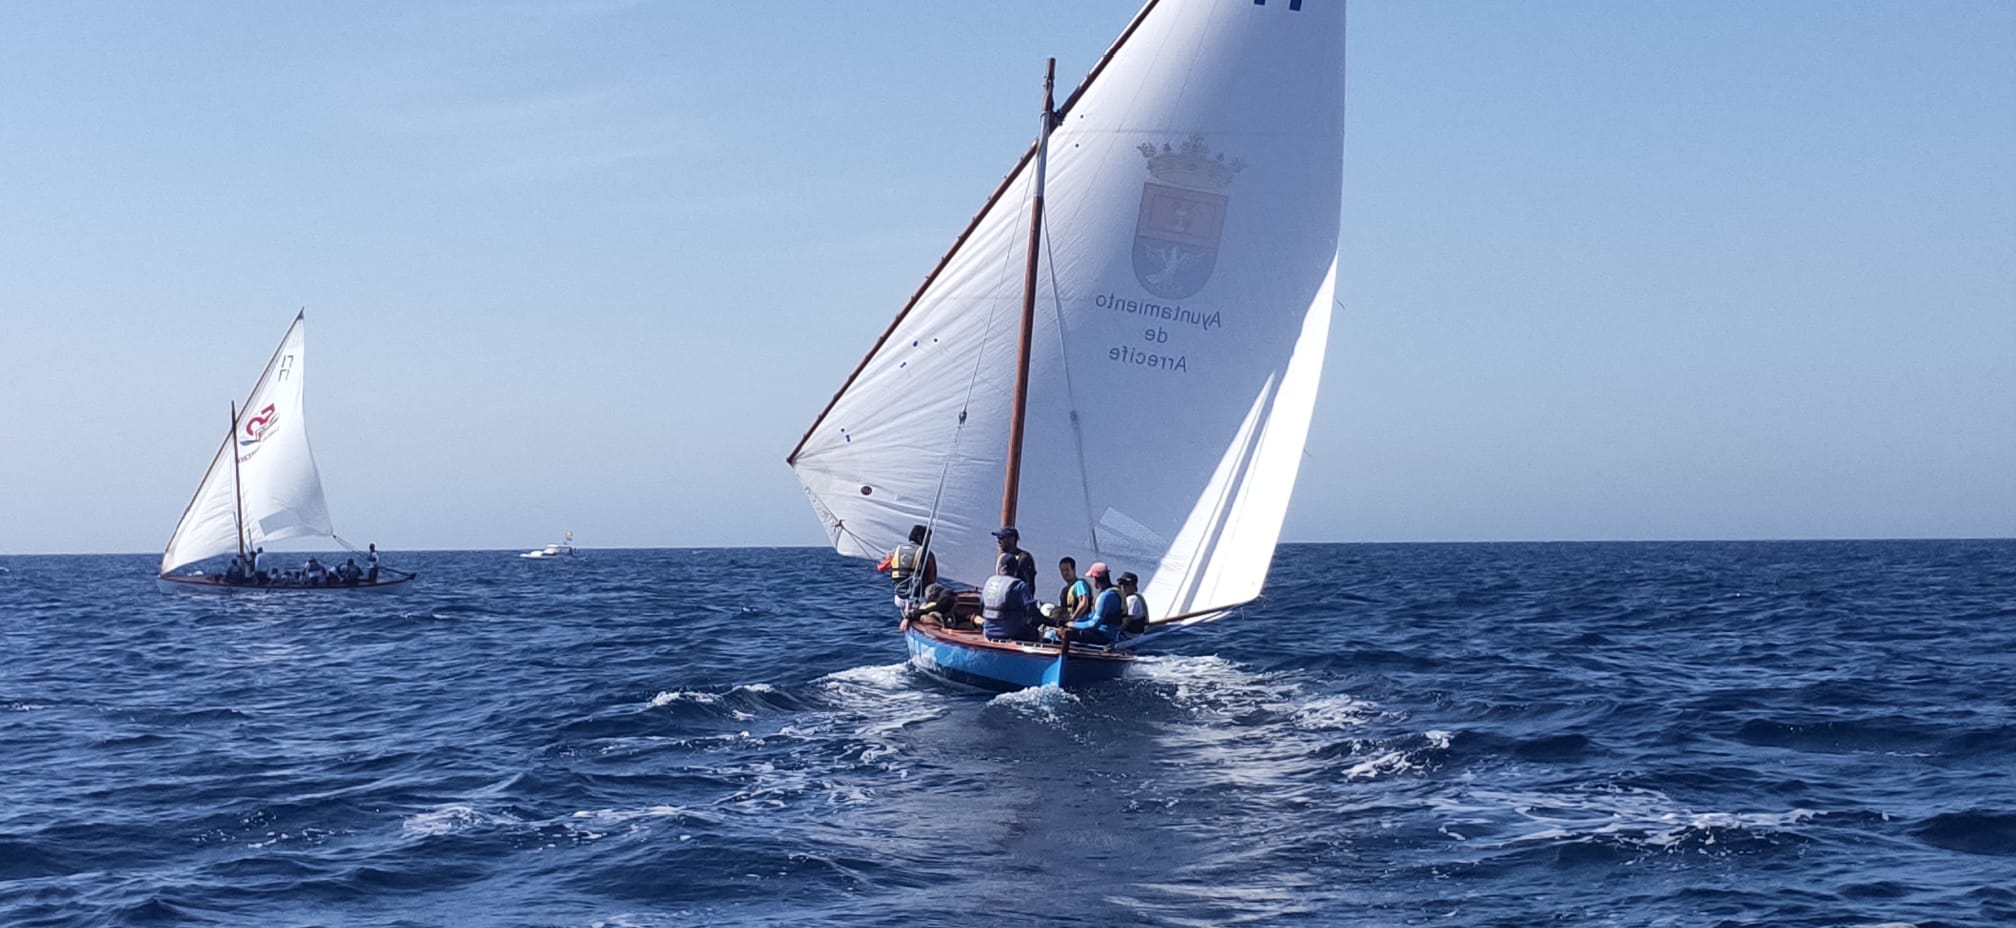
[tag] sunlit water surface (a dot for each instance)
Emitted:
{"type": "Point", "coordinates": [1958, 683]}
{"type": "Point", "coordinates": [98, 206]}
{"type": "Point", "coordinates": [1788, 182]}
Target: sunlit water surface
{"type": "Point", "coordinates": [1787, 734]}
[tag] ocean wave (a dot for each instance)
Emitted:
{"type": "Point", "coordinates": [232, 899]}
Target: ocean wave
{"type": "Point", "coordinates": [1469, 736]}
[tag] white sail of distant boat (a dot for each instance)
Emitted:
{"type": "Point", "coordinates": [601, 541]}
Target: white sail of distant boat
{"type": "Point", "coordinates": [1188, 204]}
{"type": "Point", "coordinates": [262, 485]}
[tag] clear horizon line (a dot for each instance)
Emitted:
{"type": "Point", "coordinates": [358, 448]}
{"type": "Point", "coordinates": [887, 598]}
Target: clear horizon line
{"type": "Point", "coordinates": [1496, 541]}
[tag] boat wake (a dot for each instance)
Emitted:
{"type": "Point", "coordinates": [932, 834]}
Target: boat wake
{"type": "Point", "coordinates": [1612, 822]}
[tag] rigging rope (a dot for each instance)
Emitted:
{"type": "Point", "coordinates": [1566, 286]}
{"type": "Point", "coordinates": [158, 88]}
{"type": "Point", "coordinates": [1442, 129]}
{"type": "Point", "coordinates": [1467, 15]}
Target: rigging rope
{"type": "Point", "coordinates": [1070, 395]}
{"type": "Point", "coordinates": [972, 384]}
{"type": "Point", "coordinates": [353, 549]}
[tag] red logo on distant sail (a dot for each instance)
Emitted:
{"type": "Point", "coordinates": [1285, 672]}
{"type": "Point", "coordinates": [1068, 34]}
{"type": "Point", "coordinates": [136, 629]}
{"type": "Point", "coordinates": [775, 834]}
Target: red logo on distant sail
{"type": "Point", "coordinates": [254, 430]}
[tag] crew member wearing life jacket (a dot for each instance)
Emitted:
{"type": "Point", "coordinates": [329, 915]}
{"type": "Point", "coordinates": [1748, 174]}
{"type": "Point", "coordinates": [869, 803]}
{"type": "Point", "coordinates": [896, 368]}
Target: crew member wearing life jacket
{"type": "Point", "coordinates": [912, 565]}
{"type": "Point", "coordinates": [1137, 607]}
{"type": "Point", "coordinates": [1076, 598]}
{"type": "Point", "coordinates": [1109, 610]}
{"type": "Point", "coordinates": [1006, 605]}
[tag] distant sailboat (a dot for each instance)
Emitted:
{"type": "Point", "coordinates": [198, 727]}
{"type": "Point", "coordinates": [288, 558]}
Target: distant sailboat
{"type": "Point", "coordinates": [563, 549]}
{"type": "Point", "coordinates": [262, 487]}
{"type": "Point", "coordinates": [1120, 354]}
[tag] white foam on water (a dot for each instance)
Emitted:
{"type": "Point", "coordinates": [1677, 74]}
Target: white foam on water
{"type": "Point", "coordinates": [1642, 817]}
{"type": "Point", "coordinates": [311, 835]}
{"type": "Point", "coordinates": [450, 819]}
{"type": "Point", "coordinates": [1391, 763]}
{"type": "Point", "coordinates": [1043, 703]}
{"type": "Point", "coordinates": [704, 698]}
{"type": "Point", "coordinates": [1214, 689]}
{"type": "Point", "coordinates": [1333, 713]}
{"type": "Point", "coordinates": [628, 920]}
{"type": "Point", "coordinates": [1214, 682]}
{"type": "Point", "coordinates": [880, 676]}
{"type": "Point", "coordinates": [838, 748]}
{"type": "Point", "coordinates": [611, 817]}
{"type": "Point", "coordinates": [1206, 670]}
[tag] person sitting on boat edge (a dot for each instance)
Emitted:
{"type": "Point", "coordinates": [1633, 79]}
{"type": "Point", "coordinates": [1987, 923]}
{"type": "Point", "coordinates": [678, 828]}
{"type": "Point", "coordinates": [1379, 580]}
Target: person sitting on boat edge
{"type": "Point", "coordinates": [1006, 605]}
{"type": "Point", "coordinates": [314, 573]}
{"type": "Point", "coordinates": [1136, 606]}
{"type": "Point", "coordinates": [1025, 563]}
{"type": "Point", "coordinates": [911, 565]}
{"type": "Point", "coordinates": [940, 604]}
{"type": "Point", "coordinates": [235, 574]}
{"type": "Point", "coordinates": [349, 573]}
{"type": "Point", "coordinates": [1102, 624]}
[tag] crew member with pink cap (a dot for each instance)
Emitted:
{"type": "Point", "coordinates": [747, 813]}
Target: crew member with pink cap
{"type": "Point", "coordinates": [1102, 624]}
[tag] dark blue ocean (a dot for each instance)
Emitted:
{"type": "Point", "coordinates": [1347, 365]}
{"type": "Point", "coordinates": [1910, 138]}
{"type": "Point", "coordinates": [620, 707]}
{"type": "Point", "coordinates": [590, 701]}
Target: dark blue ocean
{"type": "Point", "coordinates": [1700, 734]}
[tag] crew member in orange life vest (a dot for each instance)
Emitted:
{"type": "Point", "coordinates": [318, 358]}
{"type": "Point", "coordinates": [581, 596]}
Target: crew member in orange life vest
{"type": "Point", "coordinates": [912, 565]}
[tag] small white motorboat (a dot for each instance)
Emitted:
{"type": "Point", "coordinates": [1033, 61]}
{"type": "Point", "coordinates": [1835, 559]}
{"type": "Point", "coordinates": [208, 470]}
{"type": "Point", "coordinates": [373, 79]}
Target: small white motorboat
{"type": "Point", "coordinates": [563, 549]}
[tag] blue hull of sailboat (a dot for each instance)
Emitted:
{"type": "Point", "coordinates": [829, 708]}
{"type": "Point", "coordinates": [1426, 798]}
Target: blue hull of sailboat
{"type": "Point", "coordinates": [1003, 667]}
{"type": "Point", "coordinates": [198, 584]}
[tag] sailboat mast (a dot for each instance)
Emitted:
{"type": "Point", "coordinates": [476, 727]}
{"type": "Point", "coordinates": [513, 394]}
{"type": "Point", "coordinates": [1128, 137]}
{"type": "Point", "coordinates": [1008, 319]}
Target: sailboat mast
{"type": "Point", "coordinates": [237, 489]}
{"type": "Point", "coordinates": [1012, 482]}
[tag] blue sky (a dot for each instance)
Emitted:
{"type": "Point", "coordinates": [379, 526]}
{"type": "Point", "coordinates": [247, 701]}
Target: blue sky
{"type": "Point", "coordinates": [1610, 271]}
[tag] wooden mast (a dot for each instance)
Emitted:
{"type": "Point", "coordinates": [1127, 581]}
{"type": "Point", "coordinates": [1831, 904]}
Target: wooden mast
{"type": "Point", "coordinates": [1012, 483]}
{"type": "Point", "coordinates": [237, 488]}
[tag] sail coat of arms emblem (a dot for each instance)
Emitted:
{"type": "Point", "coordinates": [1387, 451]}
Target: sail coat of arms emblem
{"type": "Point", "coordinates": [1182, 217]}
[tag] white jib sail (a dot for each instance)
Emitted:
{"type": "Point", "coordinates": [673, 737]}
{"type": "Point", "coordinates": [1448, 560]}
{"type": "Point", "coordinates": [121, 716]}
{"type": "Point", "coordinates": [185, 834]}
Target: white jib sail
{"type": "Point", "coordinates": [275, 484]}
{"type": "Point", "coordinates": [1185, 284]}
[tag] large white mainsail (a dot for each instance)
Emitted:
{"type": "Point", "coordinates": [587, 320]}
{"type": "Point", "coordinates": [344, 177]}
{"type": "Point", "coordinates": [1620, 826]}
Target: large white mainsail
{"type": "Point", "coordinates": [274, 487]}
{"type": "Point", "coordinates": [1184, 290]}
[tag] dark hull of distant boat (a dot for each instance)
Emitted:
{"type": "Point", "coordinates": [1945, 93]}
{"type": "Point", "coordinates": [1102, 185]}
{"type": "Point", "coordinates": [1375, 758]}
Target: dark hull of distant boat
{"type": "Point", "coordinates": [206, 584]}
{"type": "Point", "coordinates": [968, 658]}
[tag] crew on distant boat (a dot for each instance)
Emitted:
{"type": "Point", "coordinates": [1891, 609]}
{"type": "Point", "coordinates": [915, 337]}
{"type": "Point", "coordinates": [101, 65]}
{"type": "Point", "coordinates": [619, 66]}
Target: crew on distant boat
{"type": "Point", "coordinates": [1137, 606]}
{"type": "Point", "coordinates": [371, 559]}
{"type": "Point", "coordinates": [912, 565]}
{"type": "Point", "coordinates": [1025, 563]}
{"type": "Point", "coordinates": [313, 572]}
{"type": "Point", "coordinates": [1006, 604]}
{"type": "Point", "coordinates": [349, 573]}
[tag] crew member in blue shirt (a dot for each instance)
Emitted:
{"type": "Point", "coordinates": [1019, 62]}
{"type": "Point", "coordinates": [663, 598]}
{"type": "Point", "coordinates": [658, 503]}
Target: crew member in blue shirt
{"type": "Point", "coordinates": [1109, 610]}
